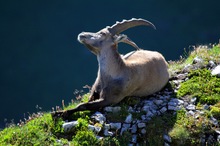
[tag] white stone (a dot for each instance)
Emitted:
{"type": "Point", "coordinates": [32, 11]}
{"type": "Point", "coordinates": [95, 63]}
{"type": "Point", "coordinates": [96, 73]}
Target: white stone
{"type": "Point", "coordinates": [94, 128]}
{"type": "Point", "coordinates": [125, 127]}
{"type": "Point", "coordinates": [149, 114]}
{"type": "Point", "coordinates": [108, 133]}
{"type": "Point", "coordinates": [193, 100]}
{"type": "Point", "coordinates": [134, 138]}
{"type": "Point", "coordinates": [191, 113]}
{"type": "Point", "coordinates": [134, 128]}
{"type": "Point", "coordinates": [197, 60]}
{"type": "Point", "coordinates": [112, 109]}
{"type": "Point", "coordinates": [146, 108]}
{"type": "Point", "coordinates": [181, 76]}
{"type": "Point", "coordinates": [99, 137]}
{"type": "Point", "coordinates": [167, 138]}
{"type": "Point", "coordinates": [69, 125]}
{"type": "Point", "coordinates": [99, 117]}
{"type": "Point", "coordinates": [143, 131]}
{"type": "Point", "coordinates": [158, 102]}
{"type": "Point", "coordinates": [172, 108]}
{"type": "Point", "coordinates": [191, 107]}
{"type": "Point", "coordinates": [115, 125]}
{"type": "Point", "coordinates": [141, 125]}
{"type": "Point", "coordinates": [214, 121]}
{"type": "Point", "coordinates": [128, 119]}
{"type": "Point", "coordinates": [163, 110]}
{"type": "Point", "coordinates": [107, 126]}
{"type": "Point", "coordinates": [143, 117]}
{"type": "Point", "coordinates": [216, 71]}
{"type": "Point", "coordinates": [211, 63]}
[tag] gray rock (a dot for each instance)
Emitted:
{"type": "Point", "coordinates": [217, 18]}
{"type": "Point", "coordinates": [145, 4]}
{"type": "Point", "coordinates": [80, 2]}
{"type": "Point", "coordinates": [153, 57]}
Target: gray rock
{"type": "Point", "coordinates": [214, 121]}
{"type": "Point", "coordinates": [172, 108]}
{"type": "Point", "coordinates": [197, 60]}
{"type": "Point", "coordinates": [166, 144]}
{"type": "Point", "coordinates": [99, 137]}
{"type": "Point", "coordinates": [107, 126]}
{"type": "Point", "coordinates": [115, 126]}
{"type": "Point", "coordinates": [193, 100]}
{"type": "Point", "coordinates": [187, 68]}
{"type": "Point", "coordinates": [172, 103]}
{"type": "Point", "coordinates": [108, 133]}
{"type": "Point", "coordinates": [112, 109]}
{"type": "Point", "coordinates": [206, 107]}
{"type": "Point", "coordinates": [146, 108]}
{"type": "Point", "coordinates": [217, 131]}
{"type": "Point", "coordinates": [216, 71]}
{"type": "Point", "coordinates": [191, 107]}
{"type": "Point", "coordinates": [134, 138]}
{"type": "Point", "coordinates": [191, 113]}
{"type": "Point", "coordinates": [181, 76]}
{"type": "Point", "coordinates": [158, 102]}
{"type": "Point", "coordinates": [141, 125]}
{"type": "Point", "coordinates": [163, 110]}
{"type": "Point", "coordinates": [99, 117]}
{"type": "Point", "coordinates": [95, 129]}
{"type": "Point", "coordinates": [143, 131]}
{"type": "Point", "coordinates": [167, 138]}
{"type": "Point", "coordinates": [125, 127]}
{"type": "Point", "coordinates": [149, 114]}
{"type": "Point", "coordinates": [218, 139]}
{"type": "Point", "coordinates": [134, 128]}
{"type": "Point", "coordinates": [211, 63]}
{"type": "Point", "coordinates": [69, 126]}
{"type": "Point", "coordinates": [143, 117]}
{"type": "Point", "coordinates": [128, 119]}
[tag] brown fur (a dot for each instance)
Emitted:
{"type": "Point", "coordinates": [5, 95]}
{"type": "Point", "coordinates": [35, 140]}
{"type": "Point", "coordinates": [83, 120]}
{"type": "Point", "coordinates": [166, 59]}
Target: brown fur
{"type": "Point", "coordinates": [139, 73]}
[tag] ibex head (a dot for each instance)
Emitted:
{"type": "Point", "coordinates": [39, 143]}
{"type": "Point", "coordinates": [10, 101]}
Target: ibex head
{"type": "Point", "coordinates": [111, 35]}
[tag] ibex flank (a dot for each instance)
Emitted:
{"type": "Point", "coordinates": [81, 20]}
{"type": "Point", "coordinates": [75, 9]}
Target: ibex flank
{"type": "Point", "coordinates": [138, 73]}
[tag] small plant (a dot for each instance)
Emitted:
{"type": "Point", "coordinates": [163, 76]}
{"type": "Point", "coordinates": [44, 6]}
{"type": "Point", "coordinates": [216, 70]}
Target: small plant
{"type": "Point", "coordinates": [203, 85]}
{"type": "Point", "coordinates": [85, 138]}
{"type": "Point", "coordinates": [109, 141]}
{"type": "Point", "coordinates": [215, 111]}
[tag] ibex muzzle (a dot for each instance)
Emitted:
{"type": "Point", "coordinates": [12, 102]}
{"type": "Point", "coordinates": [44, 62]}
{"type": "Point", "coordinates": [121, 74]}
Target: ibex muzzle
{"type": "Point", "coordinates": [139, 73]}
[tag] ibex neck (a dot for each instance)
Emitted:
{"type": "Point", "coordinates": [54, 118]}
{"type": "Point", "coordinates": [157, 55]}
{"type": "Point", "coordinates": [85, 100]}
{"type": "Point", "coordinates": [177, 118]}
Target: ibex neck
{"type": "Point", "coordinates": [110, 62]}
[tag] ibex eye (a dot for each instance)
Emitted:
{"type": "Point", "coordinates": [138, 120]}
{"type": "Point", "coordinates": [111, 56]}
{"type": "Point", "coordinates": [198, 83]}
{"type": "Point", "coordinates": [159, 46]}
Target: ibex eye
{"type": "Point", "coordinates": [102, 33]}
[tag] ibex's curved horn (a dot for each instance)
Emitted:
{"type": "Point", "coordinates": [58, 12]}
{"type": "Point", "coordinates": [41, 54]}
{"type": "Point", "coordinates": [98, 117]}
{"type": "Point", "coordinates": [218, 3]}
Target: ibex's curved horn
{"type": "Point", "coordinates": [119, 27]}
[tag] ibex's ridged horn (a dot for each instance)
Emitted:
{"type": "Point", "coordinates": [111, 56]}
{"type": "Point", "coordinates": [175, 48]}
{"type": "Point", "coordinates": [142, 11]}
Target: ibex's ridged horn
{"type": "Point", "coordinates": [119, 27]}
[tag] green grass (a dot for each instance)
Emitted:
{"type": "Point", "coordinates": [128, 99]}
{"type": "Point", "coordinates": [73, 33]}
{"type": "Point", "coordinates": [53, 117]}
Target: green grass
{"type": "Point", "coordinates": [203, 85]}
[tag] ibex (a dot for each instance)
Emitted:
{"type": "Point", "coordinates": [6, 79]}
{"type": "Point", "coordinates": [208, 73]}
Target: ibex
{"type": "Point", "coordinates": [138, 73]}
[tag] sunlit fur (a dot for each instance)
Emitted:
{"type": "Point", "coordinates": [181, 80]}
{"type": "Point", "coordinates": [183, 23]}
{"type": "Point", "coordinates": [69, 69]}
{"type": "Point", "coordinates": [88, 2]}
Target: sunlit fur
{"type": "Point", "coordinates": [139, 73]}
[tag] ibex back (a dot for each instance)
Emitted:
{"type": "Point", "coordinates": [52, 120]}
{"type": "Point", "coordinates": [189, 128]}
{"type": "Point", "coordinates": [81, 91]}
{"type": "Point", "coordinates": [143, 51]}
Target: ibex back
{"type": "Point", "coordinates": [139, 73]}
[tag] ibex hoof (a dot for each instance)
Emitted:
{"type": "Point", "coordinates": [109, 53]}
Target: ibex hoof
{"type": "Point", "coordinates": [60, 114]}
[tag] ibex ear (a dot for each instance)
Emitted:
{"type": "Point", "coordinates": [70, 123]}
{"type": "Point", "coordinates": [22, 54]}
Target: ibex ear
{"type": "Point", "coordinates": [120, 38]}
{"type": "Point", "coordinates": [124, 39]}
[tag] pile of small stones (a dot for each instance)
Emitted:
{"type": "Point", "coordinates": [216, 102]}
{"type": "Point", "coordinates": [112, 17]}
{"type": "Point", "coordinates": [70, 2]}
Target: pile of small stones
{"type": "Point", "coordinates": [155, 105]}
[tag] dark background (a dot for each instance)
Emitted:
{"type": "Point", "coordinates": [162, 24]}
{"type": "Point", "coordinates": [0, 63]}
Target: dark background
{"type": "Point", "coordinates": [42, 63]}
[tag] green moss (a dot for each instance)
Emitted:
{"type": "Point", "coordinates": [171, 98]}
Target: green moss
{"type": "Point", "coordinates": [156, 128]}
{"type": "Point", "coordinates": [203, 85]}
{"type": "Point", "coordinates": [85, 138]}
{"type": "Point", "coordinates": [215, 110]}
{"type": "Point", "coordinates": [35, 132]}
{"type": "Point", "coordinates": [188, 130]}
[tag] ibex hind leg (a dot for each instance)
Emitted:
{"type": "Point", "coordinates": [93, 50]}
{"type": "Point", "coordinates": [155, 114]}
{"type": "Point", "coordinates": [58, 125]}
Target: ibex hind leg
{"type": "Point", "coordinates": [94, 96]}
{"type": "Point", "coordinates": [95, 105]}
